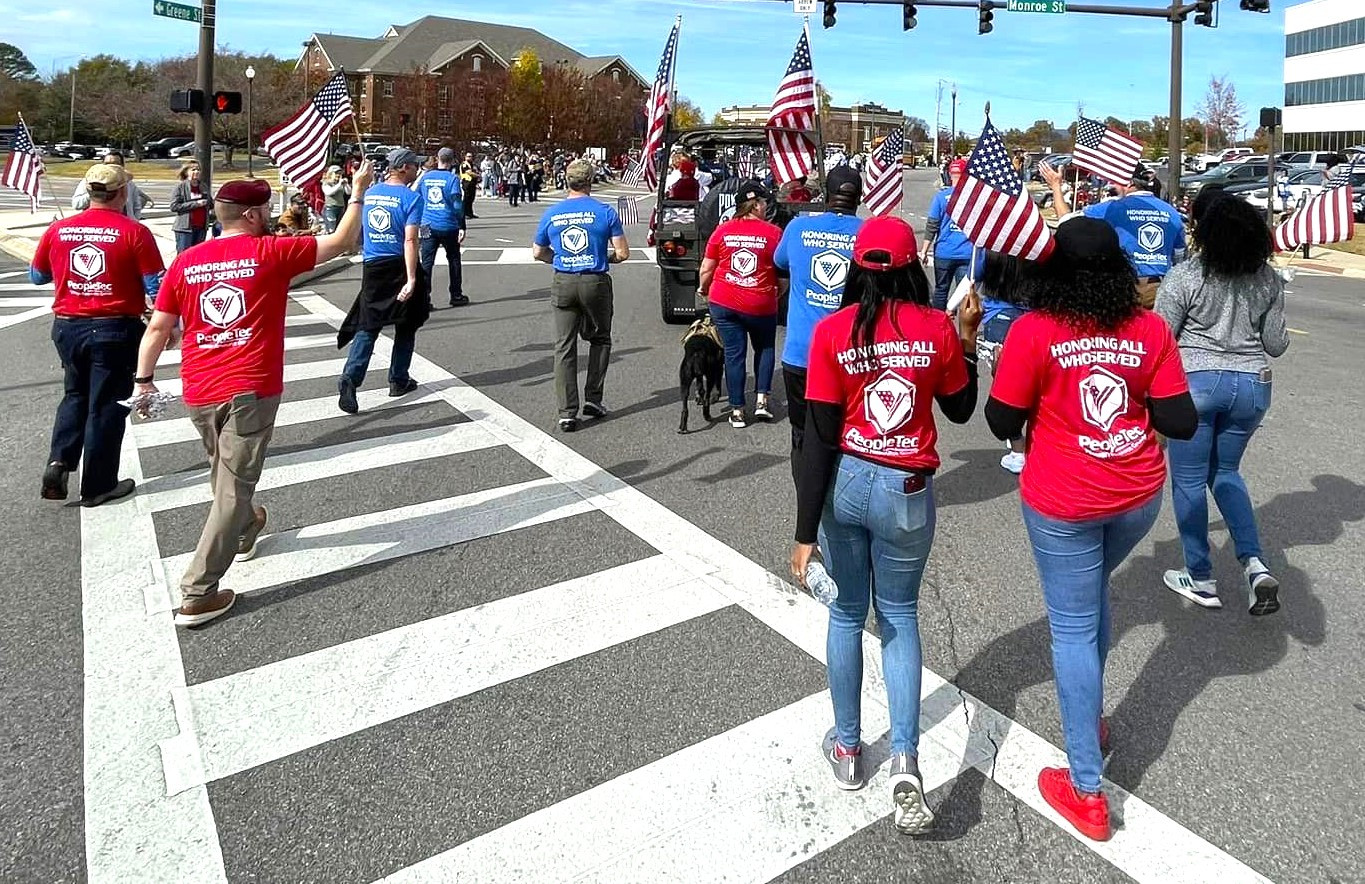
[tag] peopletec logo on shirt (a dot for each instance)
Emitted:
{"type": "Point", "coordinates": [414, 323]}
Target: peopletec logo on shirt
{"type": "Point", "coordinates": [1104, 394]}
{"type": "Point", "coordinates": [87, 261]}
{"type": "Point", "coordinates": [573, 239]}
{"type": "Point", "coordinates": [379, 220]}
{"type": "Point", "coordinates": [744, 260]}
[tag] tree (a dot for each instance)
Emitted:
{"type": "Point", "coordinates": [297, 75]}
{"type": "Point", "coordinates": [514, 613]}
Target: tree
{"type": "Point", "coordinates": [1039, 135]}
{"type": "Point", "coordinates": [916, 130]}
{"type": "Point", "coordinates": [523, 116]}
{"type": "Point", "coordinates": [718, 119]}
{"type": "Point", "coordinates": [15, 65]}
{"type": "Point", "coordinates": [1221, 110]}
{"type": "Point", "coordinates": [687, 114]}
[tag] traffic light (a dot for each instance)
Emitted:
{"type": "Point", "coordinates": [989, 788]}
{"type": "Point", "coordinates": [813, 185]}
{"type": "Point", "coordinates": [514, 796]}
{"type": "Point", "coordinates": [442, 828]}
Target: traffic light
{"type": "Point", "coordinates": [187, 101]}
{"type": "Point", "coordinates": [830, 11]}
{"type": "Point", "coordinates": [908, 13]}
{"type": "Point", "coordinates": [1256, 5]}
{"type": "Point", "coordinates": [1203, 13]}
{"type": "Point", "coordinates": [984, 25]}
{"type": "Point", "coordinates": [227, 102]}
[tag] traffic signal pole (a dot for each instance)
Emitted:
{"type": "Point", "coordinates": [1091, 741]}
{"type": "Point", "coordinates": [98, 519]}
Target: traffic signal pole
{"type": "Point", "coordinates": [203, 121]}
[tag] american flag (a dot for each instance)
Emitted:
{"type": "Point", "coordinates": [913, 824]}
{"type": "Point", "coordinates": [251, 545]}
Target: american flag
{"type": "Point", "coordinates": [656, 109]}
{"type": "Point", "coordinates": [24, 169]}
{"type": "Point", "coordinates": [793, 151]}
{"type": "Point", "coordinates": [299, 144]}
{"type": "Point", "coordinates": [747, 167]}
{"type": "Point", "coordinates": [1107, 152]}
{"type": "Point", "coordinates": [1327, 217]}
{"type": "Point", "coordinates": [634, 174]}
{"type": "Point", "coordinates": [628, 211]}
{"type": "Point", "coordinates": [992, 207]}
{"type": "Point", "coordinates": [883, 181]}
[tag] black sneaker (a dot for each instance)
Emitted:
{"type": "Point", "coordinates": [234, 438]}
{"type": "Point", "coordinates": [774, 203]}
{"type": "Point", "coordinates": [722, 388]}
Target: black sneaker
{"type": "Point", "coordinates": [403, 389]}
{"type": "Point", "coordinates": [568, 424]}
{"type": "Point", "coordinates": [461, 301]}
{"type": "Point", "coordinates": [347, 401]}
{"type": "Point", "coordinates": [122, 489]}
{"type": "Point", "coordinates": [594, 409]}
{"type": "Point", "coordinates": [54, 481]}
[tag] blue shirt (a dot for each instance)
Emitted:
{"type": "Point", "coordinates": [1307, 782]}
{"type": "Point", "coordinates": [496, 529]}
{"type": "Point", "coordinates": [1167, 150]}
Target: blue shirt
{"type": "Point", "coordinates": [442, 200]}
{"type": "Point", "coordinates": [816, 251]}
{"type": "Point", "coordinates": [1150, 231]}
{"type": "Point", "coordinates": [579, 230]}
{"type": "Point", "coordinates": [387, 212]}
{"type": "Point", "coordinates": [952, 244]}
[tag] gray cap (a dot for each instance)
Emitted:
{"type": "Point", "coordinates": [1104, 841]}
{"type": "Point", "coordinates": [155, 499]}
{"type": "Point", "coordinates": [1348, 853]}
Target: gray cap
{"type": "Point", "coordinates": [402, 156]}
{"type": "Point", "coordinates": [446, 155]}
{"type": "Point", "coordinates": [579, 174]}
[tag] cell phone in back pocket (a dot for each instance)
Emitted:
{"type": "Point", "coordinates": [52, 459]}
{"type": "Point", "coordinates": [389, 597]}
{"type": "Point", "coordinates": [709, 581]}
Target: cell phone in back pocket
{"type": "Point", "coordinates": [1265, 375]}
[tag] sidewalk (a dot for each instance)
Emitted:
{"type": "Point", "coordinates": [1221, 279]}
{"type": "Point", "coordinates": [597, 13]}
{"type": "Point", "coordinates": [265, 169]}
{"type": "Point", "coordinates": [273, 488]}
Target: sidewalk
{"type": "Point", "coordinates": [1324, 260]}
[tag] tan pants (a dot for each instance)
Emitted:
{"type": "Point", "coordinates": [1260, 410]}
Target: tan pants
{"type": "Point", "coordinates": [235, 435]}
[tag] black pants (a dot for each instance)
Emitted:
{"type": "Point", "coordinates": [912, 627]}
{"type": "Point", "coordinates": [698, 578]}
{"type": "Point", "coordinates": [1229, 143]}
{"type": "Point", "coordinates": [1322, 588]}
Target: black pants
{"type": "Point", "coordinates": [450, 241]}
{"type": "Point", "coordinates": [794, 379]}
{"type": "Point", "coordinates": [471, 189]}
{"type": "Point", "coordinates": [513, 194]}
{"type": "Point", "coordinates": [99, 358]}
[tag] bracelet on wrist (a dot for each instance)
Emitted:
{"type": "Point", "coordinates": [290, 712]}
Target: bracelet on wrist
{"type": "Point", "coordinates": [143, 380]}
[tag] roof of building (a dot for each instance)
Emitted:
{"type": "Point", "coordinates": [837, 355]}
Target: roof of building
{"type": "Point", "coordinates": [448, 52]}
{"type": "Point", "coordinates": [346, 52]}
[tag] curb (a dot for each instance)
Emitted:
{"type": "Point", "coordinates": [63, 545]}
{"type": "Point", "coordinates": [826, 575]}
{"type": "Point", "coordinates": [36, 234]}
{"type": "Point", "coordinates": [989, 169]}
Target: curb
{"type": "Point", "coordinates": [20, 247]}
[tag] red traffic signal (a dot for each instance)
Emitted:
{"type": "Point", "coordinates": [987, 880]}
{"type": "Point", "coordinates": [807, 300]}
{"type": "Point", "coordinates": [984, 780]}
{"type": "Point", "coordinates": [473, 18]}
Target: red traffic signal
{"type": "Point", "coordinates": [227, 102]}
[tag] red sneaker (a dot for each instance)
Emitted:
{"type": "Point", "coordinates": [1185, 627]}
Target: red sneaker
{"type": "Point", "coordinates": [1088, 813]}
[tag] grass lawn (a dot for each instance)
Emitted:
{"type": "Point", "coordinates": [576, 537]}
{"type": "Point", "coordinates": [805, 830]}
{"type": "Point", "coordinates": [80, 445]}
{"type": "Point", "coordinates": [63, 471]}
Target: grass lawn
{"type": "Point", "coordinates": [164, 170]}
{"type": "Point", "coordinates": [1355, 246]}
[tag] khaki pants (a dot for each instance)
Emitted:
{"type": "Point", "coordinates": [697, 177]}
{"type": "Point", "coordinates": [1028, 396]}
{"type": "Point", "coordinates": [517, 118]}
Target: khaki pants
{"type": "Point", "coordinates": [235, 435]}
{"type": "Point", "coordinates": [583, 306]}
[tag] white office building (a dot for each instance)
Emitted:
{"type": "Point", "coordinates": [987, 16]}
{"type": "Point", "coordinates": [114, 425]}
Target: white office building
{"type": "Point", "coordinates": [1324, 75]}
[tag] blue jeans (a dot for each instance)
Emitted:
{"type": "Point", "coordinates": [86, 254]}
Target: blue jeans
{"type": "Point", "coordinates": [331, 217]}
{"type": "Point", "coordinates": [1231, 405]}
{"type": "Point", "coordinates": [876, 539]}
{"type": "Point", "coordinates": [1075, 560]}
{"type": "Point", "coordinates": [99, 359]}
{"type": "Point", "coordinates": [948, 272]}
{"type": "Point", "coordinates": [186, 238]}
{"type": "Point", "coordinates": [362, 348]}
{"type": "Point", "coordinates": [450, 241]}
{"type": "Point", "coordinates": [736, 329]}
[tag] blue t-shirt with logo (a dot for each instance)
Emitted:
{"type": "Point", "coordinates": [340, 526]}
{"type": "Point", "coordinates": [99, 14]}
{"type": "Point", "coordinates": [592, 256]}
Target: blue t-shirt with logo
{"type": "Point", "coordinates": [388, 210]}
{"type": "Point", "coordinates": [952, 244]}
{"type": "Point", "coordinates": [442, 200]}
{"type": "Point", "coordinates": [579, 230]}
{"type": "Point", "coordinates": [1150, 231]}
{"type": "Point", "coordinates": [816, 251]}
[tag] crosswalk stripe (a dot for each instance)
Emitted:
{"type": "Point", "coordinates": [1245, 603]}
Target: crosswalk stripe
{"type": "Point", "coordinates": [266, 713]}
{"type": "Point", "coordinates": [10, 274]}
{"type": "Point", "coordinates": [27, 302]}
{"type": "Point", "coordinates": [297, 342]}
{"type": "Point", "coordinates": [314, 464]}
{"type": "Point", "coordinates": [25, 316]}
{"type": "Point", "coordinates": [315, 550]}
{"type": "Point", "coordinates": [301, 411]}
{"type": "Point", "coordinates": [293, 371]}
{"type": "Point", "coordinates": [25, 287]}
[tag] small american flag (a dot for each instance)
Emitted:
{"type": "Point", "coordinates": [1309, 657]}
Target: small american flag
{"type": "Point", "coordinates": [792, 119]}
{"type": "Point", "coordinates": [884, 183]}
{"type": "Point", "coordinates": [1107, 152]}
{"type": "Point", "coordinates": [634, 175]}
{"type": "Point", "coordinates": [627, 210]}
{"type": "Point", "coordinates": [747, 167]}
{"type": "Point", "coordinates": [992, 207]}
{"type": "Point", "coordinates": [24, 168]}
{"type": "Point", "coordinates": [656, 108]}
{"type": "Point", "coordinates": [299, 144]}
{"type": "Point", "coordinates": [1326, 217]}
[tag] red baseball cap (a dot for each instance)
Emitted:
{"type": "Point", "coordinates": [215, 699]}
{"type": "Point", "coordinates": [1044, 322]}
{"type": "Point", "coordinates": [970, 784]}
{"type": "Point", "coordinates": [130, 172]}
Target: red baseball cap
{"type": "Point", "coordinates": [959, 166]}
{"type": "Point", "coordinates": [885, 242]}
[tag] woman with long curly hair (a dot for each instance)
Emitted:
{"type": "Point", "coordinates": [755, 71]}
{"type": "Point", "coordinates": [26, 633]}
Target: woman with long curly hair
{"type": "Point", "coordinates": [1094, 377]}
{"type": "Point", "coordinates": [1226, 308]}
{"type": "Point", "coordinates": [866, 482]}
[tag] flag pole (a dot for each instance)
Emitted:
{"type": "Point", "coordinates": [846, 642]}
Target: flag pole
{"type": "Point", "coordinates": [819, 121]}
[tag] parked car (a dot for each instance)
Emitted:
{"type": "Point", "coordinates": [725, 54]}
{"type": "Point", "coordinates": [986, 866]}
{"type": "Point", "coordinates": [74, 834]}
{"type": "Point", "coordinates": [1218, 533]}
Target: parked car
{"type": "Point", "coordinates": [1314, 159]}
{"type": "Point", "coordinates": [1058, 161]}
{"type": "Point", "coordinates": [1298, 187]}
{"type": "Point", "coordinates": [161, 148]}
{"type": "Point", "coordinates": [1233, 153]}
{"type": "Point", "coordinates": [1221, 176]}
{"type": "Point", "coordinates": [186, 151]}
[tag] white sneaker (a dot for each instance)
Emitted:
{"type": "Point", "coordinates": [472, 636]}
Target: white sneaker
{"type": "Point", "coordinates": [1203, 593]}
{"type": "Point", "coordinates": [1013, 462]}
{"type": "Point", "coordinates": [1263, 590]}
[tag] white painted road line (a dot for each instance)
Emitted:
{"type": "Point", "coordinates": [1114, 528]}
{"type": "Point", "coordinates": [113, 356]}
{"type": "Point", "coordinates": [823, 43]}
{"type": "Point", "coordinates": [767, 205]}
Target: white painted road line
{"type": "Point", "coordinates": [329, 547]}
{"type": "Point", "coordinates": [27, 302]}
{"type": "Point", "coordinates": [25, 287]}
{"type": "Point", "coordinates": [297, 342]}
{"type": "Point", "coordinates": [25, 316]}
{"type": "Point", "coordinates": [313, 464]}
{"type": "Point", "coordinates": [264, 714]}
{"type": "Point", "coordinates": [301, 411]}
{"type": "Point", "coordinates": [293, 371]}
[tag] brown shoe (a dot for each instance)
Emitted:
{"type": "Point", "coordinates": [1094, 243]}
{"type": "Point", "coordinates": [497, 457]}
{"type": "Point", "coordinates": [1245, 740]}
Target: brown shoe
{"type": "Point", "coordinates": [197, 611]}
{"type": "Point", "coordinates": [246, 544]}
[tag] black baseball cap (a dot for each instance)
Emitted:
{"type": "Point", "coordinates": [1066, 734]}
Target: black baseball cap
{"type": "Point", "coordinates": [752, 190]}
{"type": "Point", "coordinates": [842, 177]}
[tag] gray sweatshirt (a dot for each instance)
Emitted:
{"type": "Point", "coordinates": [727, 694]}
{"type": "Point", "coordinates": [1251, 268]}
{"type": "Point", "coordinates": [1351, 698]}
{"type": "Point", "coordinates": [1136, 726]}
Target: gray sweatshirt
{"type": "Point", "coordinates": [1224, 323]}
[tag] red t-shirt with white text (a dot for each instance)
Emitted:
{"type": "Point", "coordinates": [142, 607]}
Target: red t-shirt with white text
{"type": "Point", "coordinates": [745, 279]}
{"type": "Point", "coordinates": [97, 259]}
{"type": "Point", "coordinates": [1091, 450]}
{"type": "Point", "coordinates": [887, 387]}
{"type": "Point", "coordinates": [231, 294]}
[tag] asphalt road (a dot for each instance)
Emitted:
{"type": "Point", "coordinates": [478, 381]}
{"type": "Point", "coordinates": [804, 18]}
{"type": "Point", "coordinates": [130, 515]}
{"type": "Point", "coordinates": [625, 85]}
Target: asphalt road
{"type": "Point", "coordinates": [474, 647]}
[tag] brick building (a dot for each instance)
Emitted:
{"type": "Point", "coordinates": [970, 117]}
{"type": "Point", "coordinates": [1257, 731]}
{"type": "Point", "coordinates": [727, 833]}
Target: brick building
{"type": "Point", "coordinates": [450, 77]}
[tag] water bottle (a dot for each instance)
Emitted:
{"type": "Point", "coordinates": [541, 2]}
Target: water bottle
{"type": "Point", "coordinates": [821, 585]}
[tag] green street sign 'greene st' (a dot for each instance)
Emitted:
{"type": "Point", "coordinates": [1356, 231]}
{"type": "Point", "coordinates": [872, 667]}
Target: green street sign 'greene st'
{"type": "Point", "coordinates": [1053, 6]}
{"type": "Point", "coordinates": [175, 10]}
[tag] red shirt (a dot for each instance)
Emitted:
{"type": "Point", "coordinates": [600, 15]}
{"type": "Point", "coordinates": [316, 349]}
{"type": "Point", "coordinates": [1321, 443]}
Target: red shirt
{"type": "Point", "coordinates": [745, 280]}
{"type": "Point", "coordinates": [199, 218]}
{"type": "Point", "coordinates": [231, 295]}
{"type": "Point", "coordinates": [1091, 449]}
{"type": "Point", "coordinates": [887, 387]}
{"type": "Point", "coordinates": [97, 259]}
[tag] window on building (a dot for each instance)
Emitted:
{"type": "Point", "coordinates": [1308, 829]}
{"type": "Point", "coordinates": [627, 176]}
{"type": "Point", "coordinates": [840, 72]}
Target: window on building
{"type": "Point", "coordinates": [478, 63]}
{"type": "Point", "coordinates": [364, 87]}
{"type": "Point", "coordinates": [1325, 38]}
{"type": "Point", "coordinates": [445, 95]}
{"type": "Point", "coordinates": [445, 123]}
{"type": "Point", "coordinates": [616, 75]}
{"type": "Point", "coordinates": [388, 89]}
{"type": "Point", "coordinates": [1329, 90]}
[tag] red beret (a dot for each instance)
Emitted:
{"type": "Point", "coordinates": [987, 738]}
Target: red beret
{"type": "Point", "coordinates": [247, 192]}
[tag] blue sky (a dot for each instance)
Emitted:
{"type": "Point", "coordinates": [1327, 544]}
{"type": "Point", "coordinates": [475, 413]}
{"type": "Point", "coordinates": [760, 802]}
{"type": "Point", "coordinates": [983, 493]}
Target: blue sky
{"type": "Point", "coordinates": [735, 51]}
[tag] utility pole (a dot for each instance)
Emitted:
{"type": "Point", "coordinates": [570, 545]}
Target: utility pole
{"type": "Point", "coordinates": [952, 136]}
{"type": "Point", "coordinates": [1175, 131]}
{"type": "Point", "coordinates": [71, 121]}
{"type": "Point", "coordinates": [938, 121]}
{"type": "Point", "coordinates": [203, 121]}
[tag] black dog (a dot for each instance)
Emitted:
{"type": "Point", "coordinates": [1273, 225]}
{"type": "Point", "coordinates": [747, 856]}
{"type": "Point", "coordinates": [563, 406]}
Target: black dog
{"type": "Point", "coordinates": [703, 365]}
